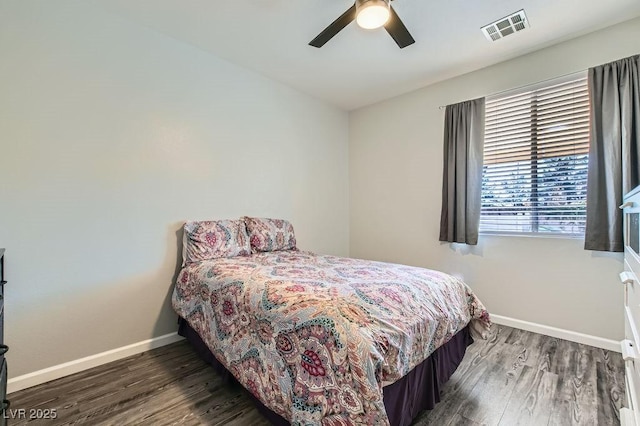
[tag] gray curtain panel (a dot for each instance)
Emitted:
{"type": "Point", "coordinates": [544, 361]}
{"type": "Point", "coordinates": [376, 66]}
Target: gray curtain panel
{"type": "Point", "coordinates": [614, 157]}
{"type": "Point", "coordinates": [462, 173]}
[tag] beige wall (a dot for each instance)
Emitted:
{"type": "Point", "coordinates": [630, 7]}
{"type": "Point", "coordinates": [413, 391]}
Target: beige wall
{"type": "Point", "coordinates": [111, 136]}
{"type": "Point", "coordinates": [395, 166]}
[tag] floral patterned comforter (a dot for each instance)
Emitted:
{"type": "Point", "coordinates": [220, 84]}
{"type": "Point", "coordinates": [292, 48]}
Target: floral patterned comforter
{"type": "Point", "coordinates": [315, 337]}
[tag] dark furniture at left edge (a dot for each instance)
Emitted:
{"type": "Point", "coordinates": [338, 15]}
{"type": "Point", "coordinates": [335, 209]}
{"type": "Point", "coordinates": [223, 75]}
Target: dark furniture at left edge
{"type": "Point", "coordinates": [3, 349]}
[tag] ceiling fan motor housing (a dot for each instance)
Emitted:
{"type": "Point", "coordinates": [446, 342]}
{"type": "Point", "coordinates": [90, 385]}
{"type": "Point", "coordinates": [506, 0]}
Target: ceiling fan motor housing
{"type": "Point", "coordinates": [360, 3]}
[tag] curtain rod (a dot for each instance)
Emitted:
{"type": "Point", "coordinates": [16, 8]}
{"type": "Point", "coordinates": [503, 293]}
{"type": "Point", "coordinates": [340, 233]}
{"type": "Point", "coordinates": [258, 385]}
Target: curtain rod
{"type": "Point", "coordinates": [524, 86]}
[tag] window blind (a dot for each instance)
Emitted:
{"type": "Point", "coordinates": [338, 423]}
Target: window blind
{"type": "Point", "coordinates": [535, 160]}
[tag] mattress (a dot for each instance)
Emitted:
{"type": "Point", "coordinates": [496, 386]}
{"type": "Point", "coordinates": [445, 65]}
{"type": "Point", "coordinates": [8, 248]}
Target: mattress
{"type": "Point", "coordinates": [404, 400]}
{"type": "Point", "coordinates": [316, 338]}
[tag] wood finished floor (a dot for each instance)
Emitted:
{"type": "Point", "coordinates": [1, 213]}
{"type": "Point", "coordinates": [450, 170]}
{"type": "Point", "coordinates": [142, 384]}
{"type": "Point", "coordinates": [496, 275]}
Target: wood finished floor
{"type": "Point", "coordinates": [513, 378]}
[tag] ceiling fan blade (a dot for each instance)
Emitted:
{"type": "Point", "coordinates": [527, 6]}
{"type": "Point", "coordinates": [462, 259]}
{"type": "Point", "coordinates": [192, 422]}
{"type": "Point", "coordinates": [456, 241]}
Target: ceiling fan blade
{"type": "Point", "coordinates": [335, 27]}
{"type": "Point", "coordinates": [398, 31]}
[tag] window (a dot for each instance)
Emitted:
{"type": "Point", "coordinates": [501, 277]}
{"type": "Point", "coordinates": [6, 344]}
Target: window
{"type": "Point", "coordinates": [535, 160]}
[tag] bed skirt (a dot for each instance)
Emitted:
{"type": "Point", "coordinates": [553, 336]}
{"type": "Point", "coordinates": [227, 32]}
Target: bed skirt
{"type": "Point", "coordinates": [403, 400]}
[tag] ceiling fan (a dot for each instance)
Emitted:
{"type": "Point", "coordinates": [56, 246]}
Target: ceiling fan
{"type": "Point", "coordinates": [368, 14]}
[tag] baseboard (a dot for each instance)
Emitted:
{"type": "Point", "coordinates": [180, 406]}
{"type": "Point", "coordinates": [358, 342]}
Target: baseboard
{"type": "Point", "coordinates": [559, 333]}
{"type": "Point", "coordinates": [58, 371]}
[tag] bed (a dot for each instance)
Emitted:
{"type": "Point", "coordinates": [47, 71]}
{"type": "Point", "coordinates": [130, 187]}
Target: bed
{"type": "Point", "coordinates": [320, 339]}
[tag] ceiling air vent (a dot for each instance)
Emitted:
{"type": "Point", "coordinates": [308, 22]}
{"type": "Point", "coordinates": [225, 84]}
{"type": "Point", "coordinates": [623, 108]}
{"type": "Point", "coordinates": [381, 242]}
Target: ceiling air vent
{"type": "Point", "coordinates": [506, 26]}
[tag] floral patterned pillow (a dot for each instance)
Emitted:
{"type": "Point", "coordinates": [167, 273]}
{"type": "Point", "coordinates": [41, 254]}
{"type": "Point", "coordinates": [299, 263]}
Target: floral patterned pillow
{"type": "Point", "coordinates": [213, 239]}
{"type": "Point", "coordinates": [270, 234]}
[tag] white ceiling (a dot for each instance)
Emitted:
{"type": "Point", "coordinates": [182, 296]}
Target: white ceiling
{"type": "Point", "coordinates": [359, 67]}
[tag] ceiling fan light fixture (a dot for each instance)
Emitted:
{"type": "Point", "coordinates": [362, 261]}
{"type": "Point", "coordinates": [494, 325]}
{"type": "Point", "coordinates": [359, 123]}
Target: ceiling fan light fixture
{"type": "Point", "coordinates": [368, 14]}
{"type": "Point", "coordinates": [372, 14]}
